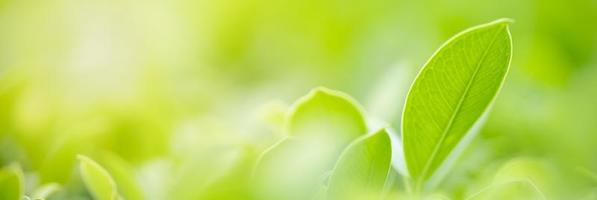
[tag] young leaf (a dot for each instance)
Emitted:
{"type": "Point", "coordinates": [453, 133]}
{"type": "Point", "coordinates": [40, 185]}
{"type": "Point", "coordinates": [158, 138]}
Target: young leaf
{"type": "Point", "coordinates": [362, 169]}
{"type": "Point", "coordinates": [451, 93]}
{"type": "Point", "coordinates": [11, 183]}
{"type": "Point", "coordinates": [97, 179]}
{"type": "Point", "coordinates": [319, 126]}
{"type": "Point", "coordinates": [326, 113]}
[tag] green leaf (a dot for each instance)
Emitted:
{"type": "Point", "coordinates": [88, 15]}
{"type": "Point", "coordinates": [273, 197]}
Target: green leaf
{"type": "Point", "coordinates": [123, 175]}
{"type": "Point", "coordinates": [588, 173]}
{"type": "Point", "coordinates": [326, 113]}
{"type": "Point", "coordinates": [11, 183]}
{"type": "Point", "coordinates": [97, 179]}
{"type": "Point", "coordinates": [319, 126]}
{"type": "Point", "coordinates": [363, 168]}
{"type": "Point", "coordinates": [538, 172]}
{"type": "Point", "coordinates": [451, 93]}
{"type": "Point", "coordinates": [45, 191]}
{"type": "Point", "coordinates": [518, 189]}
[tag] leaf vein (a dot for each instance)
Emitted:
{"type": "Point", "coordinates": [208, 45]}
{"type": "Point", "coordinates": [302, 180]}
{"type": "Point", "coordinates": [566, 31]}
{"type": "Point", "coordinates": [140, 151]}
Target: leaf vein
{"type": "Point", "coordinates": [438, 145]}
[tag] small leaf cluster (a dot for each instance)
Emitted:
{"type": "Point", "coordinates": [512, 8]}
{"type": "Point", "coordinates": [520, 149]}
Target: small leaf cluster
{"type": "Point", "coordinates": [331, 150]}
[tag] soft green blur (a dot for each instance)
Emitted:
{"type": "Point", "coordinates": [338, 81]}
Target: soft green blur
{"type": "Point", "coordinates": [181, 96]}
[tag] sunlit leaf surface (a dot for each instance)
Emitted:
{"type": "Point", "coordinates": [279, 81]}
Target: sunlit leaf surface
{"type": "Point", "coordinates": [452, 91]}
{"type": "Point", "coordinates": [189, 94]}
{"type": "Point", "coordinates": [362, 169]}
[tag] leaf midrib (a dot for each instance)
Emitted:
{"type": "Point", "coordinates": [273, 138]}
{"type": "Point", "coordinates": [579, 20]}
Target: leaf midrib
{"type": "Point", "coordinates": [436, 148]}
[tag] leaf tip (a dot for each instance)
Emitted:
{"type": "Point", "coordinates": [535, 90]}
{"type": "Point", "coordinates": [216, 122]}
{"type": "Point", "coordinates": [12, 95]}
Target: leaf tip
{"type": "Point", "coordinates": [85, 161]}
{"type": "Point", "coordinates": [506, 21]}
{"type": "Point", "coordinates": [320, 90]}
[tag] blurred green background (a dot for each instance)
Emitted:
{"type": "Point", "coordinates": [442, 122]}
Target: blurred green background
{"type": "Point", "coordinates": [187, 93]}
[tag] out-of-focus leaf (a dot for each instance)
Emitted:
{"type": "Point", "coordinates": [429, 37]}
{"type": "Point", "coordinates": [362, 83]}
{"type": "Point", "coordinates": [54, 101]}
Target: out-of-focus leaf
{"type": "Point", "coordinates": [520, 178]}
{"type": "Point", "coordinates": [57, 164]}
{"type": "Point", "coordinates": [320, 126]}
{"type": "Point", "coordinates": [234, 182]}
{"type": "Point", "coordinates": [589, 174]}
{"type": "Point", "coordinates": [97, 179]}
{"type": "Point", "coordinates": [45, 191]}
{"type": "Point", "coordinates": [11, 183]}
{"type": "Point", "coordinates": [437, 196]}
{"type": "Point", "coordinates": [326, 113]}
{"type": "Point", "coordinates": [451, 93]}
{"type": "Point", "coordinates": [536, 171]}
{"type": "Point", "coordinates": [363, 168]}
{"type": "Point", "coordinates": [523, 189]}
{"type": "Point", "coordinates": [124, 177]}
{"type": "Point", "coordinates": [196, 173]}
